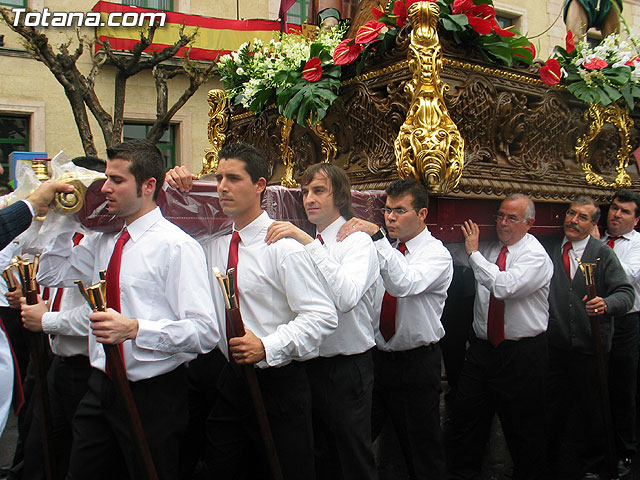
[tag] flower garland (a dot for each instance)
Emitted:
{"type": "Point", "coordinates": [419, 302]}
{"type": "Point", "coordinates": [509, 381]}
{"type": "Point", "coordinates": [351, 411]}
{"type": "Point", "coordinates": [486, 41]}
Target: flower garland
{"type": "Point", "coordinates": [601, 74]}
{"type": "Point", "coordinates": [303, 74]}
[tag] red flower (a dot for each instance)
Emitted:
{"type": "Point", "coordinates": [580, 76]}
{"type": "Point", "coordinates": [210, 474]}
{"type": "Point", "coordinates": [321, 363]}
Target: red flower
{"type": "Point", "coordinates": [595, 64]}
{"type": "Point", "coordinates": [312, 70]}
{"type": "Point", "coordinates": [529, 47]}
{"type": "Point", "coordinates": [551, 72]}
{"type": "Point", "coordinates": [633, 61]}
{"type": "Point", "coordinates": [481, 26]}
{"type": "Point", "coordinates": [570, 42]}
{"type": "Point", "coordinates": [346, 52]}
{"type": "Point", "coordinates": [400, 12]}
{"type": "Point", "coordinates": [503, 32]}
{"type": "Point", "coordinates": [461, 6]}
{"type": "Point", "coordinates": [377, 12]}
{"type": "Point", "coordinates": [369, 32]}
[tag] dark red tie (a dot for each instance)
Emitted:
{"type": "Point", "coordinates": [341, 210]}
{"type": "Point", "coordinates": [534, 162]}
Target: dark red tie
{"type": "Point", "coordinates": [319, 237]}
{"type": "Point", "coordinates": [232, 262]}
{"type": "Point", "coordinates": [566, 262]}
{"type": "Point", "coordinates": [495, 316]}
{"type": "Point", "coordinates": [389, 307]}
{"type": "Point", "coordinates": [18, 393]}
{"type": "Point", "coordinates": [113, 280]}
{"type": "Point", "coordinates": [612, 241]}
{"type": "Point", "coordinates": [58, 298]}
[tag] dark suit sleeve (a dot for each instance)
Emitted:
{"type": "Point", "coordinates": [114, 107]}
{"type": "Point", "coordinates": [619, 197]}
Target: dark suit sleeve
{"type": "Point", "coordinates": [14, 220]}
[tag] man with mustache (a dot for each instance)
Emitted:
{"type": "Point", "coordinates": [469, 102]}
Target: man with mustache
{"type": "Point", "coordinates": [572, 378]}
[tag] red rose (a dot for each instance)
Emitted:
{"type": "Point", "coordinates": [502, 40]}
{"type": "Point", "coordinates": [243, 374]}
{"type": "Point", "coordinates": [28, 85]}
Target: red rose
{"type": "Point", "coordinates": [551, 72]}
{"type": "Point", "coordinates": [570, 42]}
{"type": "Point", "coordinates": [369, 32]}
{"type": "Point", "coordinates": [595, 64]}
{"type": "Point", "coordinates": [346, 52]}
{"type": "Point", "coordinates": [312, 70]}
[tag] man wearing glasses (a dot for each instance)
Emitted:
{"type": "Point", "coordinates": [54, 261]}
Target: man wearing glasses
{"type": "Point", "coordinates": [572, 378]}
{"type": "Point", "coordinates": [505, 367]}
{"type": "Point", "coordinates": [416, 271]}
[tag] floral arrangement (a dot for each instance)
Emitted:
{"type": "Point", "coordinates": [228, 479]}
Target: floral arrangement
{"type": "Point", "coordinates": [602, 74]}
{"type": "Point", "coordinates": [303, 74]}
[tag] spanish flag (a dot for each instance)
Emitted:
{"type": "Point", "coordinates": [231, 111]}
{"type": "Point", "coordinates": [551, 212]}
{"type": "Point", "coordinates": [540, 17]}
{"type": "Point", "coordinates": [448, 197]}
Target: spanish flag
{"type": "Point", "coordinates": [215, 37]}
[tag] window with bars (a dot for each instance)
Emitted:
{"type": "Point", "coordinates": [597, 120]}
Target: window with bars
{"type": "Point", "coordinates": [166, 5]}
{"type": "Point", "coordinates": [166, 144]}
{"type": "Point", "coordinates": [14, 136]}
{"type": "Point", "coordinates": [297, 14]}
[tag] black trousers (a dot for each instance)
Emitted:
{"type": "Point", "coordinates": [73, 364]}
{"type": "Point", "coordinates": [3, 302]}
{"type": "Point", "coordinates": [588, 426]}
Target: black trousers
{"type": "Point", "coordinates": [508, 380]}
{"type": "Point", "coordinates": [623, 375]}
{"type": "Point", "coordinates": [341, 389]}
{"type": "Point", "coordinates": [102, 440]}
{"type": "Point", "coordinates": [235, 449]}
{"type": "Point", "coordinates": [407, 390]}
{"type": "Point", "coordinates": [202, 377]}
{"type": "Point", "coordinates": [67, 384]}
{"type": "Point", "coordinates": [575, 429]}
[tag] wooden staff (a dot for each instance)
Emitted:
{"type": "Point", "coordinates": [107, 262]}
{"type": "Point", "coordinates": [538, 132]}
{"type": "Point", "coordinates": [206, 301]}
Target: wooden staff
{"type": "Point", "coordinates": [588, 272]}
{"type": "Point", "coordinates": [237, 330]}
{"type": "Point", "coordinates": [95, 295]}
{"type": "Point", "coordinates": [27, 271]}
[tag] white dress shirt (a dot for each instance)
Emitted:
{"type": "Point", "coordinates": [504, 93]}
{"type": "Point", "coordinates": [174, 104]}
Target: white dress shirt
{"type": "Point", "coordinates": [163, 284]}
{"type": "Point", "coordinates": [627, 249]}
{"type": "Point", "coordinates": [6, 254]}
{"type": "Point", "coordinates": [420, 280]}
{"type": "Point", "coordinates": [349, 270]}
{"type": "Point", "coordinates": [523, 285]}
{"type": "Point", "coordinates": [281, 299]}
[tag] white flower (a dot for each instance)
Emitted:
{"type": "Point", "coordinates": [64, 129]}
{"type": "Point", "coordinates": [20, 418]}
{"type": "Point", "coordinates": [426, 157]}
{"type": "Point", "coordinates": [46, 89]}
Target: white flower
{"type": "Point", "coordinates": [240, 71]}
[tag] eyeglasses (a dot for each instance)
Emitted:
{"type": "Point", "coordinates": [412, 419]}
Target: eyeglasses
{"type": "Point", "coordinates": [583, 217]}
{"type": "Point", "coordinates": [512, 219]}
{"type": "Point", "coordinates": [396, 211]}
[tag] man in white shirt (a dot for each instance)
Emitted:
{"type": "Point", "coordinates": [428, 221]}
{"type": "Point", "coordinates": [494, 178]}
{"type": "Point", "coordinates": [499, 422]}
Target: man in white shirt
{"type": "Point", "coordinates": [622, 219]}
{"type": "Point", "coordinates": [416, 272]}
{"type": "Point", "coordinates": [506, 364]}
{"type": "Point", "coordinates": [341, 377]}
{"type": "Point", "coordinates": [286, 314]}
{"type": "Point", "coordinates": [166, 317]}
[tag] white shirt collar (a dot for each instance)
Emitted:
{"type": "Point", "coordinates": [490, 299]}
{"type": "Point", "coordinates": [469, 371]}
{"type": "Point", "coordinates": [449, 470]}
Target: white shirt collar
{"type": "Point", "coordinates": [330, 233]}
{"type": "Point", "coordinates": [140, 225]}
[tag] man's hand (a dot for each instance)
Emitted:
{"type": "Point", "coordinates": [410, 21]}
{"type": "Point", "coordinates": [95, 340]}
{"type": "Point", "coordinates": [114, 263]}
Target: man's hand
{"type": "Point", "coordinates": [595, 306]}
{"type": "Point", "coordinates": [43, 196]}
{"type": "Point", "coordinates": [354, 225]}
{"type": "Point", "coordinates": [14, 298]}
{"type": "Point", "coordinates": [113, 327]}
{"type": "Point", "coordinates": [181, 178]}
{"type": "Point", "coordinates": [278, 230]}
{"type": "Point", "coordinates": [247, 350]}
{"type": "Point", "coordinates": [32, 314]}
{"type": "Point", "coordinates": [595, 232]}
{"type": "Point", "coordinates": [471, 233]}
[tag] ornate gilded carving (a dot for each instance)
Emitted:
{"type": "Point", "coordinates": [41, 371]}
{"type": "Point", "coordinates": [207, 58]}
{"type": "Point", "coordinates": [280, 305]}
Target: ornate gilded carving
{"type": "Point", "coordinates": [218, 123]}
{"type": "Point", "coordinates": [429, 146]}
{"type": "Point", "coordinates": [287, 152]}
{"type": "Point", "coordinates": [600, 115]}
{"type": "Point", "coordinates": [329, 147]}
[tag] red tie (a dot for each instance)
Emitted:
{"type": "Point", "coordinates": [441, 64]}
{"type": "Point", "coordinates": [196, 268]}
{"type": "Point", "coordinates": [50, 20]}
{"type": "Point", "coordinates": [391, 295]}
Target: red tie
{"type": "Point", "coordinates": [319, 237]}
{"type": "Point", "coordinates": [495, 316]}
{"type": "Point", "coordinates": [113, 279]}
{"type": "Point", "coordinates": [566, 263]}
{"type": "Point", "coordinates": [232, 262]}
{"type": "Point", "coordinates": [612, 241]}
{"type": "Point", "coordinates": [58, 298]}
{"type": "Point", "coordinates": [389, 306]}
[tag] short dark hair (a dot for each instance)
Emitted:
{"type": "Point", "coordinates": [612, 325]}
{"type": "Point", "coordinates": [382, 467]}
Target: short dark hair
{"type": "Point", "coordinates": [90, 163]}
{"type": "Point", "coordinates": [625, 195]}
{"type": "Point", "coordinates": [586, 200]}
{"type": "Point", "coordinates": [146, 161]}
{"type": "Point", "coordinates": [255, 163]}
{"type": "Point", "coordinates": [340, 186]}
{"type": "Point", "coordinates": [405, 186]}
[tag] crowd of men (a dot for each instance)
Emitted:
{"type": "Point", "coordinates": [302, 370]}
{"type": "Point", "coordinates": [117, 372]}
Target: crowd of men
{"type": "Point", "coordinates": [340, 333]}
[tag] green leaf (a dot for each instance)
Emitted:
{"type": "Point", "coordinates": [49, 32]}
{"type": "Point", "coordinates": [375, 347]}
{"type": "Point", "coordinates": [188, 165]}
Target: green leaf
{"type": "Point", "coordinates": [612, 92]}
{"type": "Point", "coordinates": [620, 75]}
{"type": "Point", "coordinates": [292, 107]}
{"type": "Point", "coordinates": [450, 25]}
{"type": "Point", "coordinates": [628, 95]}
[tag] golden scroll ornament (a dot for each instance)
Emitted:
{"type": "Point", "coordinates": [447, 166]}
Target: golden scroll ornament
{"type": "Point", "coordinates": [218, 124]}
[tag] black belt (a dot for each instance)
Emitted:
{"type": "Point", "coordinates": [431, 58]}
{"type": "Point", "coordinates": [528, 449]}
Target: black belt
{"type": "Point", "coordinates": [404, 354]}
{"type": "Point", "coordinates": [75, 360]}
